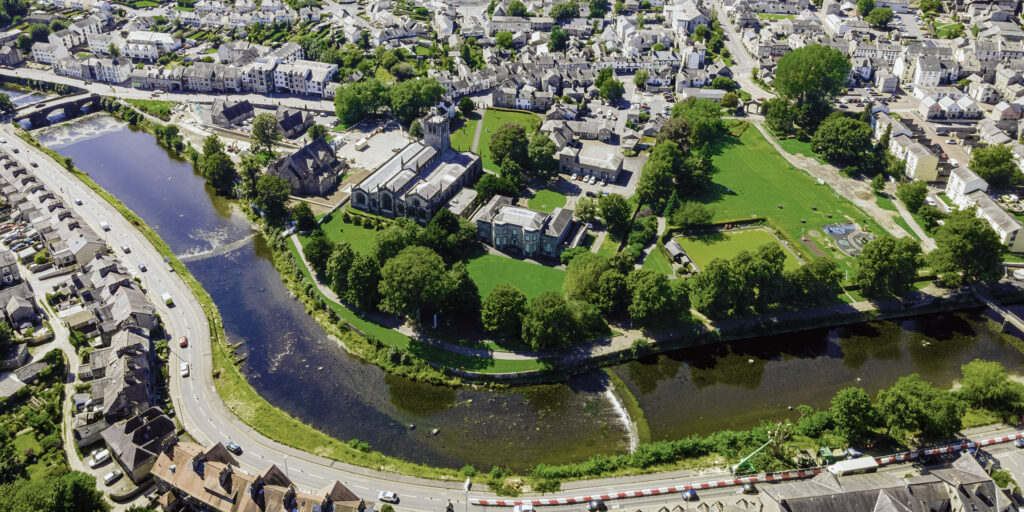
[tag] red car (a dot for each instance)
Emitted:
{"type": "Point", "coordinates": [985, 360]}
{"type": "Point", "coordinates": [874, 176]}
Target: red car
{"type": "Point", "coordinates": [183, 342]}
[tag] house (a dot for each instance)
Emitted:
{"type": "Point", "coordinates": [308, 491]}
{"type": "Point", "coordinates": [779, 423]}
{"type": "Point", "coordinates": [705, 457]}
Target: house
{"type": "Point", "coordinates": [963, 181]}
{"type": "Point", "coordinates": [10, 56]}
{"type": "Point", "coordinates": [1006, 226]}
{"type": "Point", "coordinates": [227, 113]}
{"type": "Point", "coordinates": [528, 232]}
{"type": "Point", "coordinates": [9, 273]}
{"type": "Point", "coordinates": [312, 171]}
{"type": "Point", "coordinates": [292, 122]}
{"type": "Point", "coordinates": [921, 163]}
{"type": "Point", "coordinates": [48, 53]}
{"type": "Point", "coordinates": [591, 159]}
{"type": "Point", "coordinates": [136, 442]}
{"type": "Point", "coordinates": [14, 356]}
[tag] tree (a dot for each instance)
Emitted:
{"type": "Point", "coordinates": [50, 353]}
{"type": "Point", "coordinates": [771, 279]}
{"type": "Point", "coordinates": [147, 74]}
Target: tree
{"type": "Point", "coordinates": [811, 77]}
{"type": "Point", "coordinates": [502, 311]}
{"type": "Point", "coordinates": [586, 209]}
{"type": "Point", "coordinates": [416, 129]}
{"type": "Point", "coordinates": [541, 152]}
{"type": "Point", "coordinates": [113, 50]}
{"type": "Point", "coordinates": [913, 194]}
{"type": "Point", "coordinates": [564, 11]}
{"type": "Point", "coordinates": [317, 131]}
{"type": "Point", "coordinates": [640, 78]}
{"type": "Point", "coordinates": [657, 179]}
{"type": "Point", "coordinates": [841, 140]}
{"type": "Point", "coordinates": [878, 183]}
{"type": "Point", "coordinates": [490, 185]}
{"type": "Point", "coordinates": [612, 90]}
{"type": "Point", "coordinates": [930, 217]}
{"type": "Point", "coordinates": [509, 142]}
{"type": "Point", "coordinates": [887, 266]}
{"type": "Point", "coordinates": [463, 299]}
{"type": "Point", "coordinates": [411, 99]}
{"type": "Point", "coordinates": [653, 300]}
{"type": "Point", "coordinates": [272, 196]}
{"type": "Point", "coordinates": [864, 7]}
{"type": "Point", "coordinates": [852, 413]}
{"type": "Point", "coordinates": [559, 38]}
{"type": "Point", "coordinates": [317, 251]}
{"type": "Point", "coordinates": [504, 39]}
{"type": "Point", "coordinates": [604, 75]}
{"type": "Point", "coordinates": [730, 100]}
{"type": "Point", "coordinates": [219, 171]}
{"type": "Point", "coordinates": [968, 250]}
{"type": "Point", "coordinates": [616, 212]}
{"type": "Point", "coordinates": [704, 117]}
{"type": "Point", "coordinates": [692, 215]}
{"type": "Point", "coordinates": [7, 333]}
{"type": "Point", "coordinates": [711, 289]}
{"type": "Point", "coordinates": [25, 43]}
{"type": "Point", "coordinates": [598, 8]}
{"type": "Point", "coordinates": [985, 385]}
{"type": "Point", "coordinates": [517, 9]}
{"type": "Point", "coordinates": [932, 6]}
{"type": "Point", "coordinates": [915, 405]}
{"type": "Point", "coordinates": [303, 217]}
{"type": "Point", "coordinates": [38, 32]}
{"type": "Point", "coordinates": [779, 115]}
{"type": "Point", "coordinates": [702, 32]}
{"type": "Point", "coordinates": [879, 18]}
{"type": "Point", "coordinates": [404, 232]}
{"type": "Point", "coordinates": [249, 171]}
{"type": "Point", "coordinates": [724, 83]}
{"type": "Point", "coordinates": [413, 279]}
{"type": "Point", "coordinates": [354, 101]}
{"type": "Point", "coordinates": [363, 282]}
{"type": "Point", "coordinates": [338, 266]}
{"type": "Point", "coordinates": [264, 132]}
{"type": "Point", "coordinates": [817, 282]}
{"type": "Point", "coordinates": [7, 106]}
{"type": "Point", "coordinates": [549, 322]}
{"type": "Point", "coordinates": [402, 71]}
{"type": "Point", "coordinates": [677, 129]}
{"type": "Point", "coordinates": [995, 164]}
{"type": "Point", "coordinates": [466, 106]}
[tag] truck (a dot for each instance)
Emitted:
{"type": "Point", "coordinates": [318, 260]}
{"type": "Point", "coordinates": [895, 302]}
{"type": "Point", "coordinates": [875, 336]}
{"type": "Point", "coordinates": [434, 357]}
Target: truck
{"type": "Point", "coordinates": [361, 144]}
{"type": "Point", "coordinates": [854, 466]}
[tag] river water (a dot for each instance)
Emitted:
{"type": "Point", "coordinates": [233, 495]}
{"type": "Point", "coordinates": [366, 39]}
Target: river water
{"type": "Point", "coordinates": [699, 390]}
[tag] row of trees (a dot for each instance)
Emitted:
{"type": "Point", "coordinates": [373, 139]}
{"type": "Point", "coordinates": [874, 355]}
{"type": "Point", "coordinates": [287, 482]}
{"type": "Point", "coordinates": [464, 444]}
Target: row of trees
{"type": "Point", "coordinates": [680, 163]}
{"type": "Point", "coordinates": [914, 406]}
{"type": "Point", "coordinates": [407, 100]}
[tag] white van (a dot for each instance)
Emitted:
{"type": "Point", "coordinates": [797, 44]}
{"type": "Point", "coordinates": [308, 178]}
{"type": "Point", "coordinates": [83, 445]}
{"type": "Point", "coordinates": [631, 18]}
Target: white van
{"type": "Point", "coordinates": [104, 225]}
{"type": "Point", "coordinates": [112, 477]}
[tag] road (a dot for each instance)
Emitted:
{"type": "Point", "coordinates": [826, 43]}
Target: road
{"type": "Point", "coordinates": [743, 62]}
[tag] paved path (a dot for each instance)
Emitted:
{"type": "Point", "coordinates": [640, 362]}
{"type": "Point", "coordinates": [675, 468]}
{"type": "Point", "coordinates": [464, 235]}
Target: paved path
{"type": "Point", "coordinates": [857, 192]}
{"type": "Point", "coordinates": [927, 243]}
{"type": "Point", "coordinates": [476, 135]}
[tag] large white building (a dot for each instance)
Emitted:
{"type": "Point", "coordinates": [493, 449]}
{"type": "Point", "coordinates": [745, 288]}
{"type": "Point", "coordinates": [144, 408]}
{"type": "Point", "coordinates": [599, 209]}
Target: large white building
{"type": "Point", "coordinates": [149, 46]}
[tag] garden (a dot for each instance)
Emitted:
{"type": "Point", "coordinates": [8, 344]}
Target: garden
{"type": "Point", "coordinates": [704, 248]}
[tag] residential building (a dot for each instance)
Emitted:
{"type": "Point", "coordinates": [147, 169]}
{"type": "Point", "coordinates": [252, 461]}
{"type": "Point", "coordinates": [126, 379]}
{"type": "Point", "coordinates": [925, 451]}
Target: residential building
{"type": "Point", "coordinates": [48, 53]}
{"type": "Point", "coordinates": [963, 181]}
{"type": "Point", "coordinates": [292, 122]}
{"type": "Point", "coordinates": [311, 171]}
{"type": "Point", "coordinates": [228, 113]}
{"type": "Point", "coordinates": [1006, 226]}
{"type": "Point", "coordinates": [136, 442]}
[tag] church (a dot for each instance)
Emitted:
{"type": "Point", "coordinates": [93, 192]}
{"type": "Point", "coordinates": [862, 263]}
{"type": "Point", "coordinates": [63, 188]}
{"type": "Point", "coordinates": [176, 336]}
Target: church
{"type": "Point", "coordinates": [421, 178]}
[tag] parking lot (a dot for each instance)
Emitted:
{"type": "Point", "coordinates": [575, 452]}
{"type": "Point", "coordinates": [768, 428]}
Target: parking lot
{"type": "Point", "coordinates": [379, 147]}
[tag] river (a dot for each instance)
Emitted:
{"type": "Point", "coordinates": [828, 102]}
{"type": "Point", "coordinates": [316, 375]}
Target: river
{"type": "Point", "coordinates": [693, 391]}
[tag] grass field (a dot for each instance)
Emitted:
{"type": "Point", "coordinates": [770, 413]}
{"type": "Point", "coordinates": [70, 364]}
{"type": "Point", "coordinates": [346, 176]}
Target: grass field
{"type": "Point", "coordinates": [156, 108]}
{"type": "Point", "coordinates": [753, 180]}
{"type": "Point", "coordinates": [490, 270]}
{"type": "Point", "coordinates": [799, 147]}
{"type": "Point", "coordinates": [462, 138]}
{"type": "Point", "coordinates": [703, 249]}
{"type": "Point", "coordinates": [657, 261]}
{"type": "Point", "coordinates": [906, 227]}
{"type": "Point", "coordinates": [546, 201]}
{"type": "Point", "coordinates": [885, 203]}
{"type": "Point", "coordinates": [608, 246]}
{"type": "Point", "coordinates": [494, 119]}
{"type": "Point", "coordinates": [772, 16]}
{"type": "Point", "coordinates": [360, 238]}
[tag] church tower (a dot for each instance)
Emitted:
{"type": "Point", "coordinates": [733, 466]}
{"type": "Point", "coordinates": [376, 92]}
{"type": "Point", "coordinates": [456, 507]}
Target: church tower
{"type": "Point", "coordinates": [436, 132]}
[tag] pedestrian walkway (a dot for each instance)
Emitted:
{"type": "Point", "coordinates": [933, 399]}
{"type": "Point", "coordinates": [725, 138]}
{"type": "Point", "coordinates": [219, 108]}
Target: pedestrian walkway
{"type": "Point", "coordinates": [476, 135]}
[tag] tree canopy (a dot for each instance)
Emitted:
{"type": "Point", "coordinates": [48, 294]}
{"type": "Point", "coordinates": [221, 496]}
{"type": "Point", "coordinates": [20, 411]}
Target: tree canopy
{"type": "Point", "coordinates": [968, 250]}
{"type": "Point", "coordinates": [887, 266]}
{"type": "Point", "coordinates": [272, 196]}
{"type": "Point", "coordinates": [264, 132]}
{"type": "Point", "coordinates": [811, 77]}
{"type": "Point", "coordinates": [842, 140]}
{"type": "Point", "coordinates": [995, 164]}
{"type": "Point", "coordinates": [502, 311]}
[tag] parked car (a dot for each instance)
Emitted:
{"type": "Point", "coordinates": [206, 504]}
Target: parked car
{"type": "Point", "coordinates": [596, 506]}
{"type": "Point", "coordinates": [690, 495]}
{"type": "Point", "coordinates": [387, 497]}
{"type": "Point", "coordinates": [99, 457]}
{"type": "Point", "coordinates": [112, 477]}
{"type": "Point", "coordinates": [142, 267]}
{"type": "Point", "coordinates": [35, 164]}
{"type": "Point", "coordinates": [748, 488]}
{"type": "Point", "coordinates": [1019, 443]}
{"type": "Point", "coordinates": [183, 341]}
{"type": "Point", "coordinates": [184, 369]}
{"type": "Point", "coordinates": [233, 448]}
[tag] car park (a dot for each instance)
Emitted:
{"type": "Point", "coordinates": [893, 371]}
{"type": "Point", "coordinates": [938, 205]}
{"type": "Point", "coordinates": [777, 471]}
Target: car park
{"type": "Point", "coordinates": [387, 497]}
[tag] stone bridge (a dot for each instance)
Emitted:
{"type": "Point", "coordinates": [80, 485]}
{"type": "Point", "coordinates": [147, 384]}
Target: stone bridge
{"type": "Point", "coordinates": [71, 105]}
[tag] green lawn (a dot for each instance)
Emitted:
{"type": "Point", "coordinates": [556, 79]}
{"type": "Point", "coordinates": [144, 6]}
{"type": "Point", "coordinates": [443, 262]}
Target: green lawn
{"type": "Point", "coordinates": [885, 203]}
{"type": "Point", "coordinates": [753, 180]}
{"type": "Point", "coordinates": [799, 147]}
{"type": "Point", "coordinates": [608, 246]}
{"type": "Point", "coordinates": [82, 55]}
{"type": "Point", "coordinates": [490, 270]}
{"type": "Point", "coordinates": [702, 249]}
{"type": "Point", "coordinates": [462, 137]}
{"type": "Point", "coordinates": [156, 108]}
{"type": "Point", "coordinates": [771, 16]}
{"type": "Point", "coordinates": [546, 201]}
{"type": "Point", "coordinates": [906, 227]}
{"type": "Point", "coordinates": [24, 442]}
{"type": "Point", "coordinates": [360, 238]}
{"type": "Point", "coordinates": [658, 262]}
{"type": "Point", "coordinates": [494, 119]}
